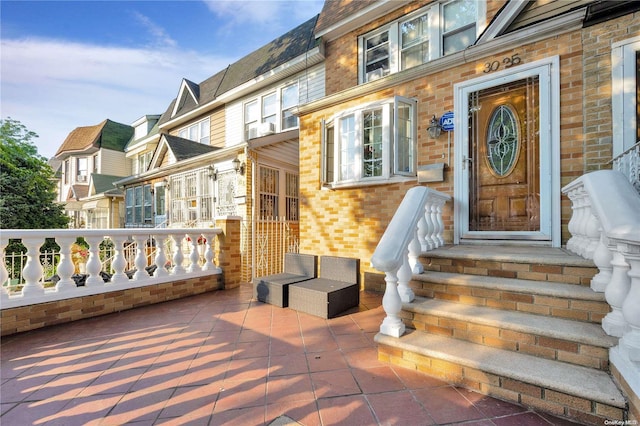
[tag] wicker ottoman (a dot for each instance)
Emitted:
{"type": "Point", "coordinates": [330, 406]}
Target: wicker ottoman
{"type": "Point", "coordinates": [274, 289]}
{"type": "Point", "coordinates": [323, 298]}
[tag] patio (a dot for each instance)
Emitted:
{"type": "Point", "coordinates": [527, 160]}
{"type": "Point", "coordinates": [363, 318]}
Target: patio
{"type": "Point", "coordinates": [222, 358]}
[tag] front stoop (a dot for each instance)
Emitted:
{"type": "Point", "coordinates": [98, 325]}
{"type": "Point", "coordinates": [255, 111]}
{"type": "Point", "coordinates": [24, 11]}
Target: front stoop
{"type": "Point", "coordinates": [519, 324]}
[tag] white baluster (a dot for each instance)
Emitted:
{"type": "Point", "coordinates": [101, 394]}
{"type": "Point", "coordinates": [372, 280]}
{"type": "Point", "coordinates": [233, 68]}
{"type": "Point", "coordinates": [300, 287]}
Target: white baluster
{"type": "Point", "coordinates": [580, 228]}
{"type": "Point", "coordinates": [33, 270]}
{"type": "Point", "coordinates": [630, 342]}
{"type": "Point", "coordinates": [404, 276]}
{"type": "Point", "coordinates": [209, 254]}
{"type": "Point", "coordinates": [178, 257]}
{"type": "Point", "coordinates": [422, 233]}
{"type": "Point", "coordinates": [65, 268]}
{"type": "Point", "coordinates": [592, 231]}
{"type": "Point", "coordinates": [614, 323]}
{"type": "Point", "coordinates": [572, 226]}
{"type": "Point", "coordinates": [141, 258]}
{"type": "Point", "coordinates": [94, 265]}
{"type": "Point", "coordinates": [119, 263]}
{"type": "Point", "coordinates": [392, 325]}
{"type": "Point", "coordinates": [414, 256]}
{"type": "Point", "coordinates": [194, 256]}
{"type": "Point", "coordinates": [4, 274]}
{"type": "Point", "coordinates": [440, 224]}
{"type": "Point", "coordinates": [161, 258]}
{"type": "Point", "coordinates": [431, 243]}
{"type": "Point", "coordinates": [602, 259]}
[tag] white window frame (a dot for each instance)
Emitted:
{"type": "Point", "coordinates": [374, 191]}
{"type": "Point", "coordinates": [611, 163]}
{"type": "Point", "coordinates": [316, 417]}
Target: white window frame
{"type": "Point", "coordinates": [251, 123]}
{"type": "Point", "coordinates": [435, 16]}
{"type": "Point", "coordinates": [82, 173]}
{"type": "Point", "coordinates": [199, 131]}
{"type": "Point", "coordinates": [389, 145]}
{"type": "Point", "coordinates": [623, 101]}
{"type": "Point", "coordinates": [284, 109]}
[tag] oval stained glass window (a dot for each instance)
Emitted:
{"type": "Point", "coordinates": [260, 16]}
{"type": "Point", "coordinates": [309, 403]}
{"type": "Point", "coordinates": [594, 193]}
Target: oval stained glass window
{"type": "Point", "coordinates": [502, 140]}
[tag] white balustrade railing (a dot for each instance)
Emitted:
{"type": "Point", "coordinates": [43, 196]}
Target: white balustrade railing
{"type": "Point", "coordinates": [200, 256]}
{"type": "Point", "coordinates": [628, 163]}
{"type": "Point", "coordinates": [415, 227]}
{"type": "Point", "coordinates": [605, 200]}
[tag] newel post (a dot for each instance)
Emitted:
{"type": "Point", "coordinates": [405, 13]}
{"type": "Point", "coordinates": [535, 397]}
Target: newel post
{"type": "Point", "coordinates": [392, 325]}
{"type": "Point", "coordinates": [630, 342]}
{"type": "Point", "coordinates": [614, 323]}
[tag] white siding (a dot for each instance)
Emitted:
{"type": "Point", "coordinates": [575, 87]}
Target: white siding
{"type": "Point", "coordinates": [312, 84]}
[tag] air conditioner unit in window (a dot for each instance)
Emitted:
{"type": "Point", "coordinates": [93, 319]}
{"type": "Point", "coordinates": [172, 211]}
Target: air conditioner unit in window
{"type": "Point", "coordinates": [267, 129]}
{"type": "Point", "coordinates": [253, 133]}
{"type": "Point", "coordinates": [81, 178]}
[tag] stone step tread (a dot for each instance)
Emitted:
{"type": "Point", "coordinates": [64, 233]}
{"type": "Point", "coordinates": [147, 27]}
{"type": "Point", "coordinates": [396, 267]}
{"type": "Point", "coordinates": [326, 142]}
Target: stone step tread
{"type": "Point", "coordinates": [540, 288]}
{"type": "Point", "coordinates": [552, 327]}
{"type": "Point", "coordinates": [510, 254]}
{"type": "Point", "coordinates": [582, 382]}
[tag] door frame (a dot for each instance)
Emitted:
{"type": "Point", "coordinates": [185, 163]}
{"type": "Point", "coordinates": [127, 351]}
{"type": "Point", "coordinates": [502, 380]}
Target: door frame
{"type": "Point", "coordinates": [548, 71]}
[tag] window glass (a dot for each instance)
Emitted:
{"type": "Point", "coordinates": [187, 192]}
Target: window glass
{"type": "Point", "coordinates": [377, 56]}
{"type": "Point", "coordinates": [204, 132]}
{"type": "Point", "coordinates": [130, 205]}
{"type": "Point", "coordinates": [415, 41]}
{"type": "Point", "coordinates": [82, 169]}
{"type": "Point", "coordinates": [347, 148]}
{"type": "Point", "coordinates": [372, 143]}
{"type": "Point", "coordinates": [292, 196]}
{"type": "Point", "coordinates": [251, 116]}
{"type": "Point", "coordinates": [138, 205]}
{"type": "Point", "coordinates": [160, 193]}
{"type": "Point", "coordinates": [269, 108]}
{"type": "Point", "coordinates": [289, 101]}
{"type": "Point", "coordinates": [404, 139]}
{"type": "Point", "coordinates": [268, 192]}
{"type": "Point", "coordinates": [458, 25]}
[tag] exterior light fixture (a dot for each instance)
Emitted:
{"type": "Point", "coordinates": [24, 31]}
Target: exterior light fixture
{"type": "Point", "coordinates": [166, 183]}
{"type": "Point", "coordinates": [238, 166]}
{"type": "Point", "coordinates": [434, 128]}
{"type": "Point", "coordinates": [213, 173]}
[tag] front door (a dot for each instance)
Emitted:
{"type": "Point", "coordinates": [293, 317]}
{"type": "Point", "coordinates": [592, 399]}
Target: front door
{"type": "Point", "coordinates": [504, 186]}
{"type": "Point", "coordinates": [506, 158]}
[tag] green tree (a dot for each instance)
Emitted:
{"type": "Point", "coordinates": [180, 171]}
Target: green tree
{"type": "Point", "coordinates": [27, 188]}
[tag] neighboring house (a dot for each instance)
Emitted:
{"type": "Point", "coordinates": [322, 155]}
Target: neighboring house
{"type": "Point", "coordinates": [91, 159]}
{"type": "Point", "coordinates": [535, 72]}
{"type": "Point", "coordinates": [228, 146]}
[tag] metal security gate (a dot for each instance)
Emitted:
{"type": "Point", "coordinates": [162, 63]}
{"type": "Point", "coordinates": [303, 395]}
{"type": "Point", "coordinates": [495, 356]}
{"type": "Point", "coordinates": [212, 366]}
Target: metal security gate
{"type": "Point", "coordinates": [266, 241]}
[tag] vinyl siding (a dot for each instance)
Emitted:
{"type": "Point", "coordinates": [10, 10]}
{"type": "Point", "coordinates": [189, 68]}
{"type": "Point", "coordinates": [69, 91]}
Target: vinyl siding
{"type": "Point", "coordinates": [113, 163]}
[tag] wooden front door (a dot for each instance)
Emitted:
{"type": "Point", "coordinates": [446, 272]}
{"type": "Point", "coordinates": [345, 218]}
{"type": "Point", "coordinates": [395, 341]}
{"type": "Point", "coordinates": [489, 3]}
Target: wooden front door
{"type": "Point", "coordinates": [504, 160]}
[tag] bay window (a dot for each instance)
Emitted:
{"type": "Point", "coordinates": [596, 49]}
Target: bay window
{"type": "Point", "coordinates": [442, 28]}
{"type": "Point", "coordinates": [370, 144]}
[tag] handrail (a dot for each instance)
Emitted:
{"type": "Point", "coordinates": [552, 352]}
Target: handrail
{"type": "Point", "coordinates": [416, 226]}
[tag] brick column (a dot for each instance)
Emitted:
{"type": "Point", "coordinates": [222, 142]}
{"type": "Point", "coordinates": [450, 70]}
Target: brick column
{"type": "Point", "coordinates": [228, 251]}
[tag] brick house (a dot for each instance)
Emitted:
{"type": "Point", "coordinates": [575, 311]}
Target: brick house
{"type": "Point", "coordinates": [498, 104]}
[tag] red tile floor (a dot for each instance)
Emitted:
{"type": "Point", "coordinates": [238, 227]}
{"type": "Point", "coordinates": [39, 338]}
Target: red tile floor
{"type": "Point", "coordinates": [225, 359]}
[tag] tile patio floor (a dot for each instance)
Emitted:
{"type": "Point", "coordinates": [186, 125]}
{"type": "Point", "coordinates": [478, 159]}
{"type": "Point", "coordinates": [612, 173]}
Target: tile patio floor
{"type": "Point", "coordinates": [223, 359]}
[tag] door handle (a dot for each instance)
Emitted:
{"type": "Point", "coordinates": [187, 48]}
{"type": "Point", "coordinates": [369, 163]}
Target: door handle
{"type": "Point", "coordinates": [466, 160]}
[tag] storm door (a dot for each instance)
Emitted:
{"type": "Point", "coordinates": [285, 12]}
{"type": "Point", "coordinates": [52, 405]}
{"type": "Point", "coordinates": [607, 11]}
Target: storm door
{"type": "Point", "coordinates": [507, 157]}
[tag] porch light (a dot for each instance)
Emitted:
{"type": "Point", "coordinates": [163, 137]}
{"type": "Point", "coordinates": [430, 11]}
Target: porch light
{"type": "Point", "coordinates": [238, 166]}
{"type": "Point", "coordinates": [213, 173]}
{"type": "Point", "coordinates": [434, 128]}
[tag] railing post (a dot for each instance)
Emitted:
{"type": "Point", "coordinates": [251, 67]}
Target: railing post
{"type": "Point", "coordinates": [94, 266]}
{"type": "Point", "coordinates": [33, 270]}
{"type": "Point", "coordinates": [4, 274]}
{"type": "Point", "coordinates": [614, 323]}
{"type": "Point", "coordinates": [65, 267]}
{"type": "Point", "coordinates": [404, 276]}
{"type": "Point", "coordinates": [602, 259]}
{"type": "Point", "coordinates": [414, 256]}
{"type": "Point", "coordinates": [161, 258]}
{"type": "Point", "coordinates": [178, 257]}
{"type": "Point", "coordinates": [439, 234]}
{"type": "Point", "coordinates": [194, 256]}
{"type": "Point", "coordinates": [392, 325]}
{"type": "Point", "coordinates": [209, 253]}
{"type": "Point", "coordinates": [119, 262]}
{"type": "Point", "coordinates": [141, 258]}
{"type": "Point", "coordinates": [630, 342]}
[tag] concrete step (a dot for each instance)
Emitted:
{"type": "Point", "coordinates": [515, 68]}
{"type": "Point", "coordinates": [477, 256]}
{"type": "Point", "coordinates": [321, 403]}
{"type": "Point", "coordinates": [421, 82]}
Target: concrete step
{"type": "Point", "coordinates": [584, 394]}
{"type": "Point", "coordinates": [530, 263]}
{"type": "Point", "coordinates": [554, 299]}
{"type": "Point", "coordinates": [574, 342]}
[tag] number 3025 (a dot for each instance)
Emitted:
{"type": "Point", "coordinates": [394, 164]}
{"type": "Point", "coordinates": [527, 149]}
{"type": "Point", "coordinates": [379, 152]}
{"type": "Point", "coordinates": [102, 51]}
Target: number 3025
{"type": "Point", "coordinates": [507, 62]}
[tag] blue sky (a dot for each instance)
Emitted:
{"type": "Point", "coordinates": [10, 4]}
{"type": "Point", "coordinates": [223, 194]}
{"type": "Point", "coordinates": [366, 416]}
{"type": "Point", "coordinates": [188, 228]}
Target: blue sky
{"type": "Point", "coordinates": [66, 64]}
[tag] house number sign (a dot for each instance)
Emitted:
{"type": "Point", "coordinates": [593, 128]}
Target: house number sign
{"type": "Point", "coordinates": [508, 62]}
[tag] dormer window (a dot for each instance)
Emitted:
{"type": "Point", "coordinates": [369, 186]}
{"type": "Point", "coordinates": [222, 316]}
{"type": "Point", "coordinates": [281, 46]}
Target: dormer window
{"type": "Point", "coordinates": [427, 34]}
{"type": "Point", "coordinates": [198, 132]}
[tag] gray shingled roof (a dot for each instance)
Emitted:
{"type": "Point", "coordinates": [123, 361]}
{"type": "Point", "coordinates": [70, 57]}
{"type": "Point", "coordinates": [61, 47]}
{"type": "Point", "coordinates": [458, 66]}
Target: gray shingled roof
{"type": "Point", "coordinates": [103, 184]}
{"type": "Point", "coordinates": [183, 149]}
{"type": "Point", "coordinates": [272, 55]}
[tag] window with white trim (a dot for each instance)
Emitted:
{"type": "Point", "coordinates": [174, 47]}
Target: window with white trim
{"type": "Point", "coordinates": [373, 143]}
{"type": "Point", "coordinates": [82, 169]}
{"type": "Point", "coordinates": [143, 161]}
{"type": "Point", "coordinates": [289, 99]}
{"type": "Point", "coordinates": [192, 197]}
{"type": "Point", "coordinates": [426, 34]}
{"type": "Point", "coordinates": [625, 102]}
{"type": "Point", "coordinates": [251, 117]}
{"type": "Point", "coordinates": [197, 132]}
{"type": "Point", "coordinates": [138, 206]}
{"type": "Point", "coordinates": [263, 115]}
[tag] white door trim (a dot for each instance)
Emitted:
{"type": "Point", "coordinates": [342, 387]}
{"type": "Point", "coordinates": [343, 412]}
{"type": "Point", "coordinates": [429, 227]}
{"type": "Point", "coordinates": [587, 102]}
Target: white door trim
{"type": "Point", "coordinates": [548, 70]}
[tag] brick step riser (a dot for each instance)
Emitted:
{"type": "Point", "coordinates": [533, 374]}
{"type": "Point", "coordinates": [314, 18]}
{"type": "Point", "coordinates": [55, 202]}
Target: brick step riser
{"type": "Point", "coordinates": [578, 275]}
{"type": "Point", "coordinates": [502, 338]}
{"type": "Point", "coordinates": [579, 310]}
{"type": "Point", "coordinates": [509, 389]}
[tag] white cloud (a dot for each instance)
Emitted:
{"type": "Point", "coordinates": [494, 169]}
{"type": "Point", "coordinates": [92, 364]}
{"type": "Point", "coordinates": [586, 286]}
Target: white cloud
{"type": "Point", "coordinates": [53, 86]}
{"type": "Point", "coordinates": [160, 36]}
{"type": "Point", "coordinates": [264, 12]}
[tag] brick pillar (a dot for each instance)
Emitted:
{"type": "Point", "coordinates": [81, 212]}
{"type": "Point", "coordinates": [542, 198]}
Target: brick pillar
{"type": "Point", "coordinates": [228, 251]}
